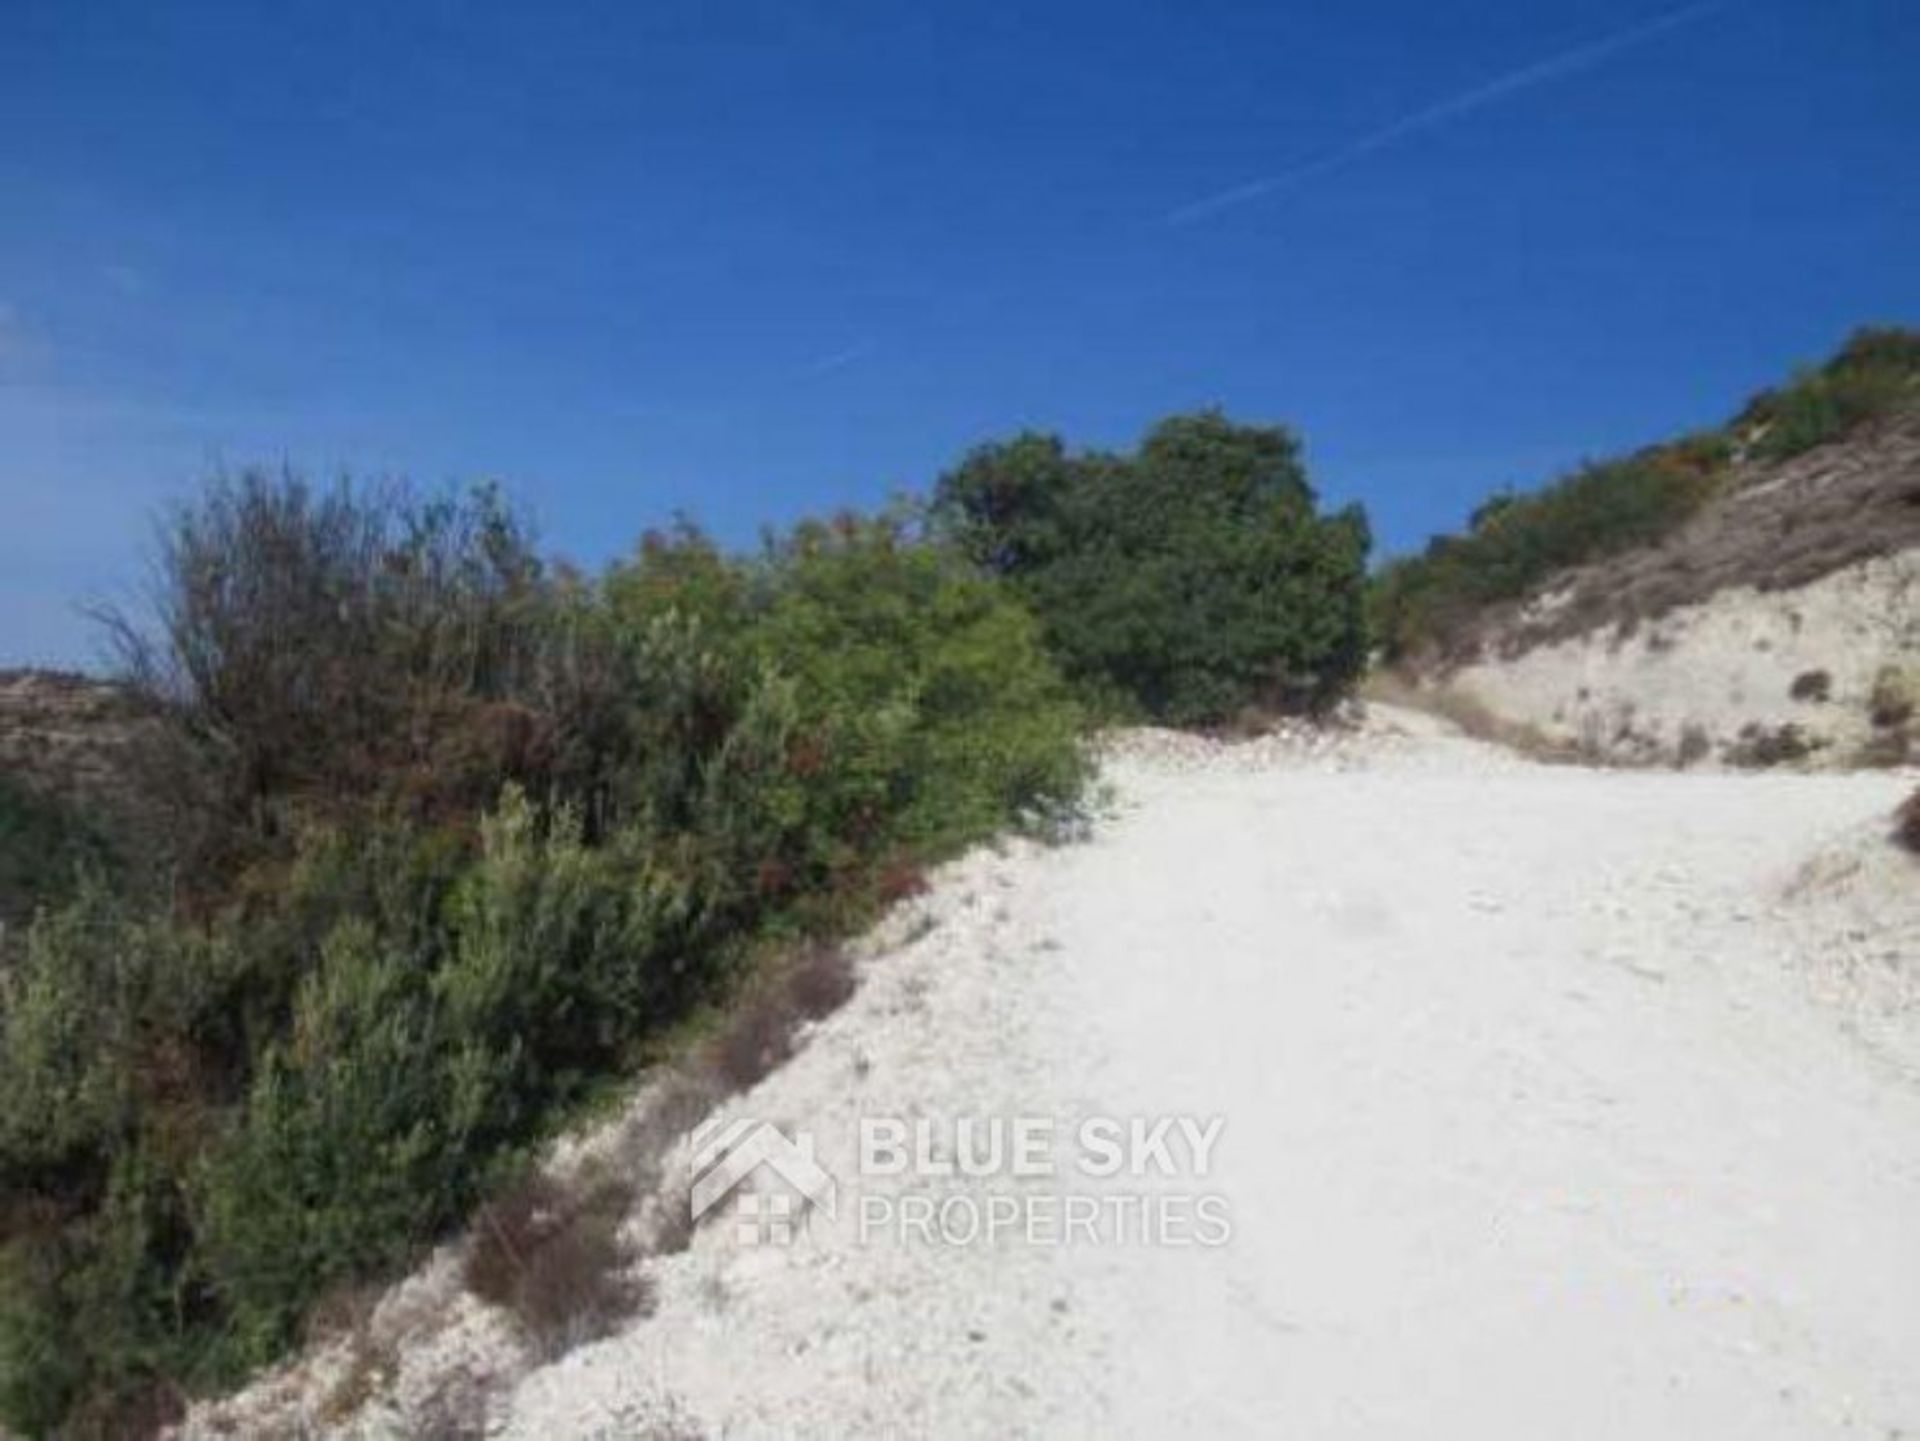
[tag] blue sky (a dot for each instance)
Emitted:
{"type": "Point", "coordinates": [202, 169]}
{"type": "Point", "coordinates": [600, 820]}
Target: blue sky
{"type": "Point", "coordinates": [755, 260]}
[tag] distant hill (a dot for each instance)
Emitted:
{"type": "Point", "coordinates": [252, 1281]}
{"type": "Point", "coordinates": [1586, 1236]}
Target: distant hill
{"type": "Point", "coordinates": [65, 743]}
{"type": "Point", "coordinates": [1749, 594]}
{"type": "Point", "coordinates": [62, 731]}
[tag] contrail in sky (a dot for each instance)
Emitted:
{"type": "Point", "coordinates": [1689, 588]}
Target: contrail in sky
{"type": "Point", "coordinates": [838, 360]}
{"type": "Point", "coordinates": [1527, 77]}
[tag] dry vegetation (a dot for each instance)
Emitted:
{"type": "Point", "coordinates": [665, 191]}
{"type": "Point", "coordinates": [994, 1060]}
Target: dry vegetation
{"type": "Point", "coordinates": [1474, 718]}
{"type": "Point", "coordinates": [1907, 823]}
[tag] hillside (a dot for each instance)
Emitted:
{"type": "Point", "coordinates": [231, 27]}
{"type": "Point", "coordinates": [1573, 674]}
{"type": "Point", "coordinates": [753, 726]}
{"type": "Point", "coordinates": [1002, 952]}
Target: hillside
{"type": "Point", "coordinates": [63, 730]}
{"type": "Point", "coordinates": [65, 743]}
{"type": "Point", "coordinates": [1758, 609]}
{"type": "Point", "coordinates": [450, 848]}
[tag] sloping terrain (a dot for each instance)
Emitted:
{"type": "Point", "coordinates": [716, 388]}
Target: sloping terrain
{"type": "Point", "coordinates": [1777, 624]}
{"type": "Point", "coordinates": [1546, 1104]}
{"type": "Point", "coordinates": [65, 744]}
{"type": "Point", "coordinates": [64, 733]}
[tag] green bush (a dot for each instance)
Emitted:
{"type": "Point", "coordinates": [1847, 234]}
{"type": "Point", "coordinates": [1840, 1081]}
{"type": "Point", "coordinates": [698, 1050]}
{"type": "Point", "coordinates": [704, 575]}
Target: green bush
{"type": "Point", "coordinates": [106, 1104]}
{"type": "Point", "coordinates": [337, 1163]}
{"type": "Point", "coordinates": [379, 994]}
{"type": "Point", "coordinates": [88, 1313]}
{"type": "Point", "coordinates": [1876, 373]}
{"type": "Point", "coordinates": [1187, 581]}
{"type": "Point", "coordinates": [944, 719]}
{"type": "Point", "coordinates": [891, 700]}
{"type": "Point", "coordinates": [66, 1048]}
{"type": "Point", "coordinates": [44, 847]}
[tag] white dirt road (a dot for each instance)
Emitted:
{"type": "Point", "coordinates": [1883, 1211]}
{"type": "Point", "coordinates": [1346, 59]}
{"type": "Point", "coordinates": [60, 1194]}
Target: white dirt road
{"type": "Point", "coordinates": [1543, 1112]}
{"type": "Point", "coordinates": [1533, 1127]}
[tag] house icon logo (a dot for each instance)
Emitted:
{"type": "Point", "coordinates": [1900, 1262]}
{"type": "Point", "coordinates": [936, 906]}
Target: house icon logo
{"type": "Point", "coordinates": [727, 1154]}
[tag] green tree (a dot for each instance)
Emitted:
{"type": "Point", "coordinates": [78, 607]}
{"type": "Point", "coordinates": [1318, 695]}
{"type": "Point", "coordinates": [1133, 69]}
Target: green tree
{"type": "Point", "coordinates": [1186, 581]}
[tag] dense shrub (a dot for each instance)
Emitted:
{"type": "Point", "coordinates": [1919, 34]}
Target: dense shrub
{"type": "Point", "coordinates": [944, 715]}
{"type": "Point", "coordinates": [1875, 373]}
{"type": "Point", "coordinates": [1186, 581]}
{"type": "Point", "coordinates": [415, 935]}
{"type": "Point", "coordinates": [45, 845]}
